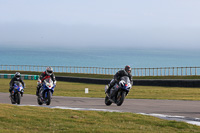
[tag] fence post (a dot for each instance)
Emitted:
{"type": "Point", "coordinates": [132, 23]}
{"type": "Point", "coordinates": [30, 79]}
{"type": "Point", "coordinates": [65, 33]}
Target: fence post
{"type": "Point", "coordinates": [142, 71]}
{"type": "Point", "coordinates": [160, 71]}
{"type": "Point", "coordinates": [186, 72]}
{"type": "Point", "coordinates": [195, 71]}
{"type": "Point", "coordinates": [177, 71]}
{"type": "Point", "coordinates": [149, 71]}
{"type": "Point", "coordinates": [153, 71]}
{"type": "Point", "coordinates": [157, 71]}
{"type": "Point", "coordinates": [134, 72]}
{"type": "Point", "coordinates": [181, 71]}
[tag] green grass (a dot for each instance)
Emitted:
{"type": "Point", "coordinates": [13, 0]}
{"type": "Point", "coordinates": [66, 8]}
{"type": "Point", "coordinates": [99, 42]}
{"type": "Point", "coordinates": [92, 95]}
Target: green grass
{"type": "Point", "coordinates": [39, 119]}
{"type": "Point", "coordinates": [137, 92]}
{"type": "Point", "coordinates": [101, 76]}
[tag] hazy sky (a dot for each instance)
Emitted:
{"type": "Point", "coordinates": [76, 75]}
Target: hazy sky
{"type": "Point", "coordinates": [102, 23]}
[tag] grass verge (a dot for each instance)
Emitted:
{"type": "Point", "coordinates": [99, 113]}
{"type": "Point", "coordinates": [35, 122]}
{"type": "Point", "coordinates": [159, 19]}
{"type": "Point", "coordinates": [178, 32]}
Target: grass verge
{"type": "Point", "coordinates": [137, 92]}
{"type": "Point", "coordinates": [39, 119]}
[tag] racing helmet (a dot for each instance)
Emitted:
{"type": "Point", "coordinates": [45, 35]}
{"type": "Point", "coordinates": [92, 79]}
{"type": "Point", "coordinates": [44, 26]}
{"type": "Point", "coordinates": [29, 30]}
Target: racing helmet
{"type": "Point", "coordinates": [17, 75]}
{"type": "Point", "coordinates": [49, 70]}
{"type": "Point", "coordinates": [127, 69]}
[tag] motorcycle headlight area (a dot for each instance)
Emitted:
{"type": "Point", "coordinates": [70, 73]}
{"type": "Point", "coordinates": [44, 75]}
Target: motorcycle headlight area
{"type": "Point", "coordinates": [49, 85]}
{"type": "Point", "coordinates": [129, 86]}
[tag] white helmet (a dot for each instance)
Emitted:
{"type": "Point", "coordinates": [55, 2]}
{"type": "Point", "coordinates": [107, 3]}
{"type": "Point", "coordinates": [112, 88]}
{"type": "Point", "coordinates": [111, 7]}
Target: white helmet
{"type": "Point", "coordinates": [17, 75]}
{"type": "Point", "coordinates": [49, 71]}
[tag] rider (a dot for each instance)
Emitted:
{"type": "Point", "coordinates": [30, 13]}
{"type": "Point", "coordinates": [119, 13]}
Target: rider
{"type": "Point", "coordinates": [46, 74]}
{"type": "Point", "coordinates": [17, 77]}
{"type": "Point", "coordinates": [125, 72]}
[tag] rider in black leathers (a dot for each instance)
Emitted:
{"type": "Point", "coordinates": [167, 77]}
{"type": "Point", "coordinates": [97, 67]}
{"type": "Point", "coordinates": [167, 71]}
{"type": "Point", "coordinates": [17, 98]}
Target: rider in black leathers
{"type": "Point", "coordinates": [117, 77]}
{"type": "Point", "coordinates": [17, 77]}
{"type": "Point", "coordinates": [46, 74]}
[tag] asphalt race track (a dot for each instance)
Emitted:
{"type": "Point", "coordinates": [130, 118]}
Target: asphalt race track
{"type": "Point", "coordinates": [189, 109]}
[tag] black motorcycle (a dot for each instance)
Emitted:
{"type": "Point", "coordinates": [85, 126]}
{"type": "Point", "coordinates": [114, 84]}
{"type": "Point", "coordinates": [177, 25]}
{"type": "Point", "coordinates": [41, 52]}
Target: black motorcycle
{"type": "Point", "coordinates": [118, 92]}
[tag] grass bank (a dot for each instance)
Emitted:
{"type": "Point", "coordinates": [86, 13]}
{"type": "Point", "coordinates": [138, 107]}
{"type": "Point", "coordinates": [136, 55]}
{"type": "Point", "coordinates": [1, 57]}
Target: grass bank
{"type": "Point", "coordinates": [137, 92]}
{"type": "Point", "coordinates": [39, 119]}
{"type": "Point", "coordinates": [101, 76]}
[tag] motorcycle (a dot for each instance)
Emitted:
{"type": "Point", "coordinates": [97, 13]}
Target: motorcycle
{"type": "Point", "coordinates": [46, 92]}
{"type": "Point", "coordinates": [118, 92]}
{"type": "Point", "coordinates": [17, 93]}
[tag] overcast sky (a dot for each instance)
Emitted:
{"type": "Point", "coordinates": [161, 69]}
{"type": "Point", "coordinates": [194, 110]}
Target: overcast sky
{"type": "Point", "coordinates": [101, 23]}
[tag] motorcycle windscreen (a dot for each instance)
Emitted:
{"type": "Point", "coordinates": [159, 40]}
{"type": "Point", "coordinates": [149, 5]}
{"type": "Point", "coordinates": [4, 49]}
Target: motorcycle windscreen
{"type": "Point", "coordinates": [17, 83]}
{"type": "Point", "coordinates": [49, 83]}
{"type": "Point", "coordinates": [126, 79]}
{"type": "Point", "coordinates": [48, 80]}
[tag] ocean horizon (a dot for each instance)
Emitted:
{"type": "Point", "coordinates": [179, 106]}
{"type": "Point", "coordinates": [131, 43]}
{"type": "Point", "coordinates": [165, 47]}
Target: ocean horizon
{"type": "Point", "coordinates": [100, 57]}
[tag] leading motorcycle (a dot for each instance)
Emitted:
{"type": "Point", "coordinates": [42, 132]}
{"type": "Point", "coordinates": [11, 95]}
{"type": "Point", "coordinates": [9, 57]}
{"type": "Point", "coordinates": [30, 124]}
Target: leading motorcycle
{"type": "Point", "coordinates": [46, 92]}
{"type": "Point", "coordinates": [17, 92]}
{"type": "Point", "coordinates": [118, 92]}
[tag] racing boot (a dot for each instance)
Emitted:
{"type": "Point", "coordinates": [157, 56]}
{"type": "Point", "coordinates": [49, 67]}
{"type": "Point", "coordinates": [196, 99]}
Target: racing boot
{"type": "Point", "coordinates": [108, 90]}
{"type": "Point", "coordinates": [10, 90]}
{"type": "Point", "coordinates": [37, 91]}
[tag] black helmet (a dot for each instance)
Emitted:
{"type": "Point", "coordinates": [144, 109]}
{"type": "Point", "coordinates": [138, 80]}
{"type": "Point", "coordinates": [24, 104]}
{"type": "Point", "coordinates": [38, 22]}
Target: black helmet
{"type": "Point", "coordinates": [17, 75]}
{"type": "Point", "coordinates": [49, 70]}
{"type": "Point", "coordinates": [127, 69]}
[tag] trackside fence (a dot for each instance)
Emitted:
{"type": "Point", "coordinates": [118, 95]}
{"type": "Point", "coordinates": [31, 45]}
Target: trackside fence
{"type": "Point", "coordinates": [162, 71]}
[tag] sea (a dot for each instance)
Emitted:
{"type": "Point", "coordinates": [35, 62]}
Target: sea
{"type": "Point", "coordinates": [100, 57]}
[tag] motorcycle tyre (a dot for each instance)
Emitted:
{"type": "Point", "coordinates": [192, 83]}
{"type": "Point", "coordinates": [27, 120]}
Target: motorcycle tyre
{"type": "Point", "coordinates": [119, 103]}
{"type": "Point", "coordinates": [107, 101]}
{"type": "Point", "coordinates": [18, 97]}
{"type": "Point", "coordinates": [48, 98]}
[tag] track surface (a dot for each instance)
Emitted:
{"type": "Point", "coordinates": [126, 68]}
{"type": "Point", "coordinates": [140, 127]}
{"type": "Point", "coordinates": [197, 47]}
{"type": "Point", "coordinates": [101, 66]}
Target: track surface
{"type": "Point", "coordinates": [167, 107]}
